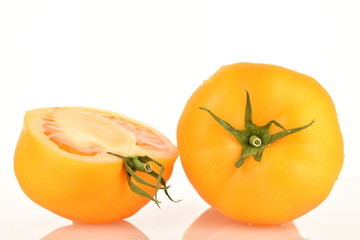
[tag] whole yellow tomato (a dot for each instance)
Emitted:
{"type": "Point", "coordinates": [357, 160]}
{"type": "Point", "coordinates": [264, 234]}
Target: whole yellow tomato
{"type": "Point", "coordinates": [261, 143]}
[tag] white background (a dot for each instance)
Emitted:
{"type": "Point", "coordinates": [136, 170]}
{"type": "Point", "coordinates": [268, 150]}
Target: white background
{"type": "Point", "coordinates": [144, 59]}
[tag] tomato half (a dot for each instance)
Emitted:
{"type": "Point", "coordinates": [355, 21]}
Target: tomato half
{"type": "Point", "coordinates": [291, 165]}
{"type": "Point", "coordinates": [91, 165]}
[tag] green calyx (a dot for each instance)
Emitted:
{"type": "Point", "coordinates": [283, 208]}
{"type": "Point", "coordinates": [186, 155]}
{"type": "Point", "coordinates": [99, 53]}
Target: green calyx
{"type": "Point", "coordinates": [254, 139]}
{"type": "Point", "coordinates": [136, 163]}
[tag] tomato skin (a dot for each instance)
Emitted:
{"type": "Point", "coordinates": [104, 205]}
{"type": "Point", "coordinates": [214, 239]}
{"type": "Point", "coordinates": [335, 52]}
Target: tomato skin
{"type": "Point", "coordinates": [87, 192]}
{"type": "Point", "coordinates": [295, 174]}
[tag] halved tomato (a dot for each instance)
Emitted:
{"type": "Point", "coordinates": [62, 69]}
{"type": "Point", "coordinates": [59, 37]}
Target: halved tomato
{"type": "Point", "coordinates": [91, 165]}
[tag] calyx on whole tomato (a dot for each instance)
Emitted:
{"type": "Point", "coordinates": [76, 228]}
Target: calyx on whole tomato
{"type": "Point", "coordinates": [254, 139]}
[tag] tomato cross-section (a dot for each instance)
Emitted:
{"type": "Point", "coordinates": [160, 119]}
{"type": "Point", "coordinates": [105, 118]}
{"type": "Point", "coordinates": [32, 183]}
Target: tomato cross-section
{"type": "Point", "coordinates": [67, 160]}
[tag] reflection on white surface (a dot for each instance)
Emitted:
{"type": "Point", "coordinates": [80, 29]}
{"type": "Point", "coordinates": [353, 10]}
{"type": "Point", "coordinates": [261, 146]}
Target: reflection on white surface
{"type": "Point", "coordinates": [110, 231]}
{"type": "Point", "coordinates": [215, 226]}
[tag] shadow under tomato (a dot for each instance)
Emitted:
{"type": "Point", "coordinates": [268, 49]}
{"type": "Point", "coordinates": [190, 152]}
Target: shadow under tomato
{"type": "Point", "coordinates": [110, 231]}
{"type": "Point", "coordinates": [215, 226]}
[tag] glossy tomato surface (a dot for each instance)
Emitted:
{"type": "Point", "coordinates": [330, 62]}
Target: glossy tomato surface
{"type": "Point", "coordinates": [295, 174]}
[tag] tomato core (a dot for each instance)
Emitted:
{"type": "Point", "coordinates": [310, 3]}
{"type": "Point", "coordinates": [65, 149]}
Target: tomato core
{"type": "Point", "coordinates": [54, 133]}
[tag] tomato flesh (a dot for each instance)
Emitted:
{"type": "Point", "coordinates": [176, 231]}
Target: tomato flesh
{"type": "Point", "coordinates": [53, 131]}
{"type": "Point", "coordinates": [144, 137]}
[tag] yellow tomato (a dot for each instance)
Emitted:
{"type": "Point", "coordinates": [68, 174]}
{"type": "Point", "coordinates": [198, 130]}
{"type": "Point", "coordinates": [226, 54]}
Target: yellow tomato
{"type": "Point", "coordinates": [267, 160]}
{"type": "Point", "coordinates": [65, 162]}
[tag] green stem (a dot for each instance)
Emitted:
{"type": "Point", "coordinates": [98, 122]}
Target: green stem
{"type": "Point", "coordinates": [136, 163]}
{"type": "Point", "coordinates": [254, 139]}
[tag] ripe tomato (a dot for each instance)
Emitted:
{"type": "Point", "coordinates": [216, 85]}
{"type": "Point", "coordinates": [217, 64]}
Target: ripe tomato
{"type": "Point", "coordinates": [91, 165]}
{"type": "Point", "coordinates": [265, 161]}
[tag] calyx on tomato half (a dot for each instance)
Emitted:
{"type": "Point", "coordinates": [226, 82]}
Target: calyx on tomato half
{"type": "Point", "coordinates": [135, 163]}
{"type": "Point", "coordinates": [254, 139]}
